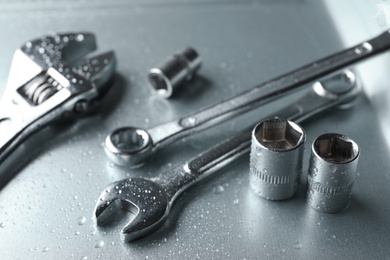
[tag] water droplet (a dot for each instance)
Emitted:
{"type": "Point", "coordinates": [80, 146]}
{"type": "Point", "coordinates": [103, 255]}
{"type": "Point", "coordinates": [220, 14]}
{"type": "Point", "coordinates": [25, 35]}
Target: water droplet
{"type": "Point", "coordinates": [45, 249]}
{"type": "Point", "coordinates": [236, 201]}
{"type": "Point", "coordinates": [84, 258]}
{"type": "Point", "coordinates": [218, 189]}
{"type": "Point", "coordinates": [334, 236]}
{"type": "Point", "coordinates": [28, 45]}
{"type": "Point", "coordinates": [79, 37]}
{"type": "Point", "coordinates": [2, 225]}
{"type": "Point", "coordinates": [297, 245]}
{"type": "Point", "coordinates": [364, 48]}
{"type": "Point", "coordinates": [82, 220]}
{"type": "Point", "coordinates": [191, 120]}
{"type": "Point", "coordinates": [41, 50]}
{"type": "Point", "coordinates": [100, 244]}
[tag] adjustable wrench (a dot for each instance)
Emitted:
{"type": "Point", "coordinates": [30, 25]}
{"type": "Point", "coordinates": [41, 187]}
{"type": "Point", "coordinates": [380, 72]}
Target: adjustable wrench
{"type": "Point", "coordinates": [151, 199]}
{"type": "Point", "coordinates": [48, 81]}
{"type": "Point", "coordinates": [129, 146]}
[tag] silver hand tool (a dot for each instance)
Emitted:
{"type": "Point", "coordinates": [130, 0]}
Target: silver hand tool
{"type": "Point", "coordinates": [332, 172]}
{"type": "Point", "coordinates": [48, 81]}
{"type": "Point", "coordinates": [174, 72]}
{"type": "Point", "coordinates": [129, 146]}
{"type": "Point", "coordinates": [151, 199]}
{"type": "Point", "coordinates": [275, 161]}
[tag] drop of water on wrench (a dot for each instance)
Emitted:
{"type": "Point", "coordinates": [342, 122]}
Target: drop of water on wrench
{"type": "Point", "coordinates": [218, 189]}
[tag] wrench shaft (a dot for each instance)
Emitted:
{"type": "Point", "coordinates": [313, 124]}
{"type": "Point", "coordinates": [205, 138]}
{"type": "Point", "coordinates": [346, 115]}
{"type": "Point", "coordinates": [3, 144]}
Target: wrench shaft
{"type": "Point", "coordinates": [151, 199]}
{"type": "Point", "coordinates": [170, 132]}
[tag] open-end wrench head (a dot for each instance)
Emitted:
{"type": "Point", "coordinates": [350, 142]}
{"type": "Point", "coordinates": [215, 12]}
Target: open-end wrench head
{"type": "Point", "coordinates": [143, 197]}
{"type": "Point", "coordinates": [98, 69]}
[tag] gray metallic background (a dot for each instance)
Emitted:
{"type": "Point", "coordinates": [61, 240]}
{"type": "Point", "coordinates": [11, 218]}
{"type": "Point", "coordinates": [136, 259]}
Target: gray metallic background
{"type": "Point", "coordinates": [46, 209]}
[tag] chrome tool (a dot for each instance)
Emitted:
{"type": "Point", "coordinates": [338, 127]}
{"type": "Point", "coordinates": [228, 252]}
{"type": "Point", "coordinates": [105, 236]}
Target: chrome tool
{"type": "Point", "coordinates": [332, 172]}
{"type": "Point", "coordinates": [151, 199]}
{"type": "Point", "coordinates": [49, 81]}
{"type": "Point", "coordinates": [276, 158]}
{"type": "Point", "coordinates": [174, 72]}
{"type": "Point", "coordinates": [129, 146]}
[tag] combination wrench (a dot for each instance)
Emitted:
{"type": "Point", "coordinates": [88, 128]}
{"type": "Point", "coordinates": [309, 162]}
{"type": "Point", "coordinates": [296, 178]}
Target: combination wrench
{"type": "Point", "coordinates": [49, 80]}
{"type": "Point", "coordinates": [151, 199]}
{"type": "Point", "coordinates": [129, 146]}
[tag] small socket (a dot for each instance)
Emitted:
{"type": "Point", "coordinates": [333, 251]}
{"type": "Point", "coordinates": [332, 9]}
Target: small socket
{"type": "Point", "coordinates": [276, 158]}
{"type": "Point", "coordinates": [332, 172]}
{"type": "Point", "coordinates": [174, 72]}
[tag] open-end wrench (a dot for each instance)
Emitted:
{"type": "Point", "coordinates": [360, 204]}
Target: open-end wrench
{"type": "Point", "coordinates": [151, 199]}
{"type": "Point", "coordinates": [129, 146]}
{"type": "Point", "coordinates": [49, 81]}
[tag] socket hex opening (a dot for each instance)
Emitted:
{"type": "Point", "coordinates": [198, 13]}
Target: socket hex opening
{"type": "Point", "coordinates": [279, 134]}
{"type": "Point", "coordinates": [336, 148]}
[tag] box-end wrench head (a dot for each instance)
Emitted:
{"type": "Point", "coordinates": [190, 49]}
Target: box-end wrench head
{"type": "Point", "coordinates": [151, 199]}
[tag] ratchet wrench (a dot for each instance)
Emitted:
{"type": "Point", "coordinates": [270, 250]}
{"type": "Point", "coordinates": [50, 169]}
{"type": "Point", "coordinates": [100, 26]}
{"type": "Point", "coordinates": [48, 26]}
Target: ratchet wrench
{"type": "Point", "coordinates": [151, 199]}
{"type": "Point", "coordinates": [49, 81]}
{"type": "Point", "coordinates": [129, 146]}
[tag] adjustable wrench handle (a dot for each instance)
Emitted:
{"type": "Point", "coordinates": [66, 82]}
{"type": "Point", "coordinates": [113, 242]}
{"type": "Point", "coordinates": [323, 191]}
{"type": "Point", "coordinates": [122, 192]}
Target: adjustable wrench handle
{"type": "Point", "coordinates": [316, 100]}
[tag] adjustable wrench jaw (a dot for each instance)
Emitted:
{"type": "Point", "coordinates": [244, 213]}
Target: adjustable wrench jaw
{"type": "Point", "coordinates": [144, 198]}
{"type": "Point", "coordinates": [47, 82]}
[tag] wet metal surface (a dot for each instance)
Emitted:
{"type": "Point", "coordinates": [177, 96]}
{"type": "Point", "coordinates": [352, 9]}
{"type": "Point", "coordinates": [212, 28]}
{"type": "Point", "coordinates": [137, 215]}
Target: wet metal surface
{"type": "Point", "coordinates": [46, 209]}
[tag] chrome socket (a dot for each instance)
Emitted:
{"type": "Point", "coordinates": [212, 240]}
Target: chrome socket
{"type": "Point", "coordinates": [276, 158]}
{"type": "Point", "coordinates": [176, 70]}
{"type": "Point", "coordinates": [332, 172]}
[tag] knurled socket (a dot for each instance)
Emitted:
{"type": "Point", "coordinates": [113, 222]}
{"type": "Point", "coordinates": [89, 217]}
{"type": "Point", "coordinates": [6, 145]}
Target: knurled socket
{"type": "Point", "coordinates": [276, 158]}
{"type": "Point", "coordinates": [173, 72]}
{"type": "Point", "coordinates": [332, 171]}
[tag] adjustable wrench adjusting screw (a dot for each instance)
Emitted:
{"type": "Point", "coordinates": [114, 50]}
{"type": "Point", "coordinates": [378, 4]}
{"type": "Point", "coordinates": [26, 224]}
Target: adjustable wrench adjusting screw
{"type": "Point", "coordinates": [276, 158]}
{"type": "Point", "coordinates": [332, 171]}
{"type": "Point", "coordinates": [176, 70]}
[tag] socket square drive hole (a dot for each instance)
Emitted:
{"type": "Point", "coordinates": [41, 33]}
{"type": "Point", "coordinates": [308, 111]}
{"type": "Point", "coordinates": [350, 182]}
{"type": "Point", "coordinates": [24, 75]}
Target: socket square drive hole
{"type": "Point", "coordinates": [279, 134]}
{"type": "Point", "coordinates": [159, 83]}
{"type": "Point", "coordinates": [336, 148]}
